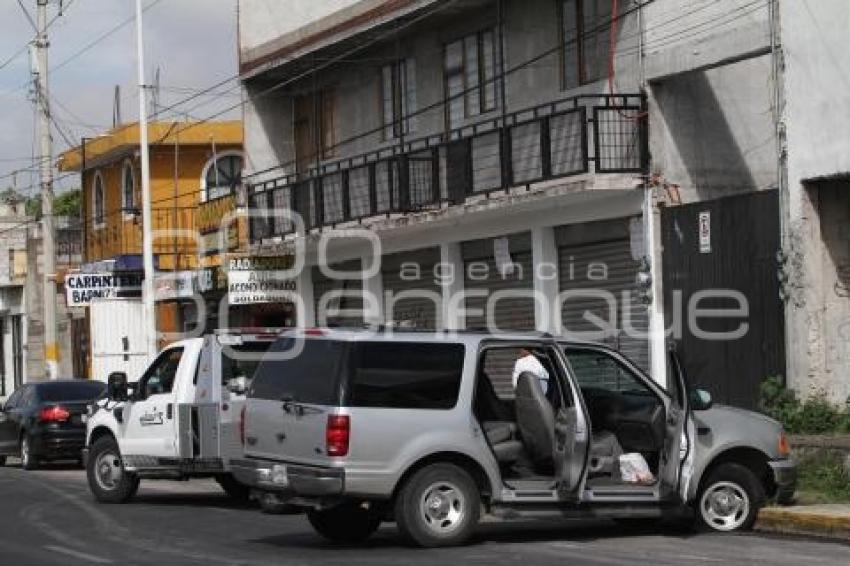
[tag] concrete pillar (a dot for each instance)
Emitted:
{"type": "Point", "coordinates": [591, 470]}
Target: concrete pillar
{"type": "Point", "coordinates": [373, 295]}
{"type": "Point", "coordinates": [544, 259]}
{"type": "Point", "coordinates": [652, 243]}
{"type": "Point", "coordinates": [305, 315]}
{"type": "Point", "coordinates": [451, 276]}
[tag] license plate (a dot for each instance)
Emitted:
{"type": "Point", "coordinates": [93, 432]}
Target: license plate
{"type": "Point", "coordinates": [279, 475]}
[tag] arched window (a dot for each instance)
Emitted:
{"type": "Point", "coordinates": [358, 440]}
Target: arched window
{"type": "Point", "coordinates": [128, 187]}
{"type": "Point", "coordinates": [222, 175]}
{"type": "Point", "coordinates": [98, 197]}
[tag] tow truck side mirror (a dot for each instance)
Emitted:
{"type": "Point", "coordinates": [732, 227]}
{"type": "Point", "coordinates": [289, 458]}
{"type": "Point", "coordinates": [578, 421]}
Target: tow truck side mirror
{"type": "Point", "coordinates": [116, 386]}
{"type": "Point", "coordinates": [238, 385]}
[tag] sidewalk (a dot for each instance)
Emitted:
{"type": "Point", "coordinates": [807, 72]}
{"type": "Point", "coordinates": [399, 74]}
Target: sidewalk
{"type": "Point", "coordinates": [832, 521]}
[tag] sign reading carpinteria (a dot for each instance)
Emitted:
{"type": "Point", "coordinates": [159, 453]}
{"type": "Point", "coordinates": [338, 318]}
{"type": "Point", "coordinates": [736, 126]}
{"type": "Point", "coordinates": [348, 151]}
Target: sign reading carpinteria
{"type": "Point", "coordinates": [82, 288]}
{"type": "Point", "coordinates": [261, 279]}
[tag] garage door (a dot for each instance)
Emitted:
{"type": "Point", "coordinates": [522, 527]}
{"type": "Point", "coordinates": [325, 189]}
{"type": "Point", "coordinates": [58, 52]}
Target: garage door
{"type": "Point", "coordinates": [331, 307]}
{"type": "Point", "coordinates": [509, 313]}
{"type": "Point", "coordinates": [597, 257]}
{"type": "Point", "coordinates": [406, 273]}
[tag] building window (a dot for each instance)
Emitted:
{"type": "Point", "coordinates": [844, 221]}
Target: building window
{"type": "Point", "coordinates": [398, 92]}
{"type": "Point", "coordinates": [585, 30]}
{"type": "Point", "coordinates": [315, 127]}
{"type": "Point", "coordinates": [470, 76]}
{"type": "Point", "coordinates": [128, 187]}
{"type": "Point", "coordinates": [98, 200]}
{"type": "Point", "coordinates": [222, 176]}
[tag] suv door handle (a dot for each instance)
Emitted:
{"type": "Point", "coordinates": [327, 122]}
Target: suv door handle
{"type": "Point", "coordinates": [169, 411]}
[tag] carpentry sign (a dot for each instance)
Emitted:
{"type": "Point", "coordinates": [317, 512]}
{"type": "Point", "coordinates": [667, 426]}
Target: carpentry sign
{"type": "Point", "coordinates": [260, 279]}
{"type": "Point", "coordinates": [82, 288]}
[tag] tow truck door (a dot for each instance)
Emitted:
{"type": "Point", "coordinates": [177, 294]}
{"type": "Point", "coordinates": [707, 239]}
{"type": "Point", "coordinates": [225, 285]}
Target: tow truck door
{"type": "Point", "coordinates": [150, 417]}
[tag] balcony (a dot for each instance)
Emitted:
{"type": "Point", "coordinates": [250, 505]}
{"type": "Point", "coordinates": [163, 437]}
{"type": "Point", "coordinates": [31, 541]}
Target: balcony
{"type": "Point", "coordinates": [588, 134]}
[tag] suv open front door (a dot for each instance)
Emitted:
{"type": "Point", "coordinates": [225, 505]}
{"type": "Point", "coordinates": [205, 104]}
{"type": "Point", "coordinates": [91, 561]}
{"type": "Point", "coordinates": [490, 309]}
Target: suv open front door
{"type": "Point", "coordinates": [572, 437]}
{"type": "Point", "coordinates": [678, 456]}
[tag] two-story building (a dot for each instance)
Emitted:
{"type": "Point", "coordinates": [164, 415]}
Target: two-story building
{"type": "Point", "coordinates": [590, 167]}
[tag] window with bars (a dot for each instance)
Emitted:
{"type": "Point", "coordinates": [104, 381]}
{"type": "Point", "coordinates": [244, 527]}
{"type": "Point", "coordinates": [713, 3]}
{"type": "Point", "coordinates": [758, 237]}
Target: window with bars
{"type": "Point", "coordinates": [470, 76]}
{"type": "Point", "coordinates": [585, 31]}
{"type": "Point", "coordinates": [398, 98]}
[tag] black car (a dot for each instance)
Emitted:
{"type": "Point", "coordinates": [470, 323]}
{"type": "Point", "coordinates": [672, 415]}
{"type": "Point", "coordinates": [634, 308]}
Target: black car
{"type": "Point", "coordinates": [44, 421]}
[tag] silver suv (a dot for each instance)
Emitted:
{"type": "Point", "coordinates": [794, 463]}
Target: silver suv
{"type": "Point", "coordinates": [433, 430]}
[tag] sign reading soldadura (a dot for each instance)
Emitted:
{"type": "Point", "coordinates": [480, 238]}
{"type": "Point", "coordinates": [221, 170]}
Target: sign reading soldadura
{"type": "Point", "coordinates": [262, 279]}
{"type": "Point", "coordinates": [82, 288]}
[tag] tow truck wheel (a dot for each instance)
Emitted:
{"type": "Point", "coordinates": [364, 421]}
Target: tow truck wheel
{"type": "Point", "coordinates": [348, 523]}
{"type": "Point", "coordinates": [233, 488]}
{"type": "Point", "coordinates": [108, 481]}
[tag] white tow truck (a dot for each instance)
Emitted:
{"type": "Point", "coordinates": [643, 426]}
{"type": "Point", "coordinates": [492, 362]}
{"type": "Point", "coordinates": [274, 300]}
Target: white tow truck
{"type": "Point", "coordinates": [179, 420]}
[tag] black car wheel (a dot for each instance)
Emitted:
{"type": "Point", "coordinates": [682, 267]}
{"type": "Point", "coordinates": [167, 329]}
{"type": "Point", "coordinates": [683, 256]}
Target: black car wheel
{"type": "Point", "coordinates": [729, 499]}
{"type": "Point", "coordinates": [348, 523]}
{"type": "Point", "coordinates": [438, 506]}
{"type": "Point", "coordinates": [28, 459]}
{"type": "Point", "coordinates": [108, 480]}
{"type": "Point", "coordinates": [2, 461]}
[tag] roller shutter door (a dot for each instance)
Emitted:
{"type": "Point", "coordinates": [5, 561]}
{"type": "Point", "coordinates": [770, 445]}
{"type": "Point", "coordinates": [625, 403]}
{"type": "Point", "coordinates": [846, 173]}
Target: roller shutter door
{"type": "Point", "coordinates": [323, 284]}
{"type": "Point", "coordinates": [412, 271]}
{"type": "Point", "coordinates": [509, 313]}
{"type": "Point", "coordinates": [598, 256]}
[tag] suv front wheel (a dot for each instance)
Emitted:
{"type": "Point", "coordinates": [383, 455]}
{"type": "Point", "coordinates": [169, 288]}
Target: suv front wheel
{"type": "Point", "coordinates": [438, 506]}
{"type": "Point", "coordinates": [730, 499]}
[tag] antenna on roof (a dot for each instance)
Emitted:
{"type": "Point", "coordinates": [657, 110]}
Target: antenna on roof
{"type": "Point", "coordinates": [116, 107]}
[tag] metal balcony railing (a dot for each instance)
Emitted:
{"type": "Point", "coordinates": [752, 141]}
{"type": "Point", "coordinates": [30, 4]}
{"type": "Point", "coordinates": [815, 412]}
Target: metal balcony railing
{"type": "Point", "coordinates": [582, 134]}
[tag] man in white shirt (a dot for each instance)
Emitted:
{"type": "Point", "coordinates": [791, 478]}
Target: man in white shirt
{"type": "Point", "coordinates": [528, 362]}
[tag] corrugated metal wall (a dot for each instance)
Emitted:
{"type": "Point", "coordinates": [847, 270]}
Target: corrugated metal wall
{"type": "Point", "coordinates": [596, 256]}
{"type": "Point", "coordinates": [412, 271]}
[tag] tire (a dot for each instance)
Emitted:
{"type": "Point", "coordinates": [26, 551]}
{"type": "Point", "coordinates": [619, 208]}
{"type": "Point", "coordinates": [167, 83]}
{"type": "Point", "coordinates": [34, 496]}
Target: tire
{"type": "Point", "coordinates": [348, 523]}
{"type": "Point", "coordinates": [28, 460]}
{"type": "Point", "coordinates": [108, 481]}
{"type": "Point", "coordinates": [729, 499]}
{"type": "Point", "coordinates": [439, 505]}
{"type": "Point", "coordinates": [236, 490]}
{"type": "Point", "coordinates": [2, 461]}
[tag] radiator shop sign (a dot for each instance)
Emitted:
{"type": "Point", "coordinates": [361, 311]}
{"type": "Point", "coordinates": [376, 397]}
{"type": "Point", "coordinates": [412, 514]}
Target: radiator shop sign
{"type": "Point", "coordinates": [260, 279]}
{"type": "Point", "coordinates": [83, 288]}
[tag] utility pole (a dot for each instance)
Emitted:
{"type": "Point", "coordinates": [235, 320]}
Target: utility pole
{"type": "Point", "coordinates": [51, 345]}
{"type": "Point", "coordinates": [147, 236]}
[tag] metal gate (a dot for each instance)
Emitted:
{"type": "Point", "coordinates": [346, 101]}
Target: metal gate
{"type": "Point", "coordinates": [412, 272]}
{"type": "Point", "coordinates": [336, 305]}
{"type": "Point", "coordinates": [595, 262]}
{"type": "Point", "coordinates": [727, 244]}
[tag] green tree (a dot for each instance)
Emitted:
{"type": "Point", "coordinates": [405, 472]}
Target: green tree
{"type": "Point", "coordinates": [64, 204]}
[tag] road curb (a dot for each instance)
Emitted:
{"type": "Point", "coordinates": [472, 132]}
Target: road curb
{"type": "Point", "coordinates": [789, 521]}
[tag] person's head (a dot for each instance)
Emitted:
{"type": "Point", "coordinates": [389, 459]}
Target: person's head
{"type": "Point", "coordinates": [524, 352]}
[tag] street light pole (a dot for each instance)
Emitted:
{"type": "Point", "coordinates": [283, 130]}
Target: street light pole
{"type": "Point", "coordinates": [147, 236]}
{"type": "Point", "coordinates": [51, 344]}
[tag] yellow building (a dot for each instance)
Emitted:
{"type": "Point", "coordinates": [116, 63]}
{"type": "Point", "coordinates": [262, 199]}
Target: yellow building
{"type": "Point", "coordinates": [195, 179]}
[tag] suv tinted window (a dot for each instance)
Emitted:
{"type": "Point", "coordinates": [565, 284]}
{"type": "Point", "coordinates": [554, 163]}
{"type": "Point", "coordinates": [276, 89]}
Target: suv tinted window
{"type": "Point", "coordinates": [404, 375]}
{"type": "Point", "coordinates": [82, 391]}
{"type": "Point", "coordinates": [312, 376]}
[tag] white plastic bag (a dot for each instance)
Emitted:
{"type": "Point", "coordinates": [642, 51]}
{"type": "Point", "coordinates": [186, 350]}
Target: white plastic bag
{"type": "Point", "coordinates": [634, 469]}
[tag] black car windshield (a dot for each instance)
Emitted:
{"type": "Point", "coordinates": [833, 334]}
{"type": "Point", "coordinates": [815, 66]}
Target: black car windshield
{"type": "Point", "coordinates": [70, 391]}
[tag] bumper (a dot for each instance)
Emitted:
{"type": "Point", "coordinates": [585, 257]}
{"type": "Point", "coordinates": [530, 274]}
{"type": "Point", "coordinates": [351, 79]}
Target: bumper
{"type": "Point", "coordinates": [785, 478]}
{"type": "Point", "coordinates": [57, 445]}
{"type": "Point", "coordinates": [290, 479]}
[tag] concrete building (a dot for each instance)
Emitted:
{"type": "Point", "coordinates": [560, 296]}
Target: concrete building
{"type": "Point", "coordinates": [581, 172]}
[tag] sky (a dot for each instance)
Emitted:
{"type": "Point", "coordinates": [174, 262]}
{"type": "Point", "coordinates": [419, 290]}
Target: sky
{"type": "Point", "coordinates": [191, 42]}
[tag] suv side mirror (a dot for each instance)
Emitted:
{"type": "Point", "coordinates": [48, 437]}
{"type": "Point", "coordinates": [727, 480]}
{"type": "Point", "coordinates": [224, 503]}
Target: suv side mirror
{"type": "Point", "coordinates": [116, 386]}
{"type": "Point", "coordinates": [701, 400]}
{"type": "Point", "coordinates": [238, 385]}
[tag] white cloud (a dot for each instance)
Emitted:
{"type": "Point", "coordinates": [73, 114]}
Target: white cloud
{"type": "Point", "coordinates": [193, 42]}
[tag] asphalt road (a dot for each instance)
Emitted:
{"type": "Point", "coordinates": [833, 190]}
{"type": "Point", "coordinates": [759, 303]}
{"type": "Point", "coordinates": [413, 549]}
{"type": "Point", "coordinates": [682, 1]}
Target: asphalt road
{"type": "Point", "coordinates": [48, 517]}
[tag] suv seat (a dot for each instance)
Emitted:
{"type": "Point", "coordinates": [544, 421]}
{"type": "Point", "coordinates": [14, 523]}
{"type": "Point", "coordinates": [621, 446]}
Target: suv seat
{"type": "Point", "coordinates": [535, 419]}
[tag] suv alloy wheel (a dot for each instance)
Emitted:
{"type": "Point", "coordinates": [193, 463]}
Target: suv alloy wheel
{"type": "Point", "coordinates": [730, 499]}
{"type": "Point", "coordinates": [28, 461]}
{"type": "Point", "coordinates": [438, 506]}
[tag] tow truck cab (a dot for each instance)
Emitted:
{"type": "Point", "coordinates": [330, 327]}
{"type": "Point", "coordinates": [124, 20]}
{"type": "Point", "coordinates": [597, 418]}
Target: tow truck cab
{"type": "Point", "coordinates": [180, 419]}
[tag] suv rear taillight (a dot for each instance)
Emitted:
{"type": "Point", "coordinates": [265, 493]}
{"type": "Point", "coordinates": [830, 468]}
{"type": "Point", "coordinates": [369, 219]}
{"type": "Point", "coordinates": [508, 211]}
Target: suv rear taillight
{"type": "Point", "coordinates": [54, 414]}
{"type": "Point", "coordinates": [242, 426]}
{"type": "Point", "coordinates": [337, 435]}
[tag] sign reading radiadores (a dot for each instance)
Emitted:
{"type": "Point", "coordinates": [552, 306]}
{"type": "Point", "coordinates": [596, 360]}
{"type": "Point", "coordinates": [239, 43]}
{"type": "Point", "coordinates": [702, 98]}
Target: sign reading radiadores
{"type": "Point", "coordinates": [260, 280]}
